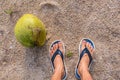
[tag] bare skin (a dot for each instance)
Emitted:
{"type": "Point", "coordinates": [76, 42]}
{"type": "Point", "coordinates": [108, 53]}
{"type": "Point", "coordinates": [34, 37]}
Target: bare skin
{"type": "Point", "coordinates": [58, 63]}
{"type": "Point", "coordinates": [83, 65]}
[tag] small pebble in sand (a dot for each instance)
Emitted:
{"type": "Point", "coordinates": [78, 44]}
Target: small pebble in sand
{"type": "Point", "coordinates": [11, 47]}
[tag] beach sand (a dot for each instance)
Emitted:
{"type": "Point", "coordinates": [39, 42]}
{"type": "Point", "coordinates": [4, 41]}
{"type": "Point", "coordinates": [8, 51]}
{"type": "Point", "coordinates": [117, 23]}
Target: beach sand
{"type": "Point", "coordinates": [66, 20]}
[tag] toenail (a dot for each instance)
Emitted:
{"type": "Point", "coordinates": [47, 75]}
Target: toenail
{"type": "Point", "coordinates": [84, 41]}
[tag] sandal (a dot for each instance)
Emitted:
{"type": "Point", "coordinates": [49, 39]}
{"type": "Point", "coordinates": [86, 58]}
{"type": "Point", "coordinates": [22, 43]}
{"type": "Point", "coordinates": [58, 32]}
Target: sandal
{"type": "Point", "coordinates": [84, 51]}
{"type": "Point", "coordinates": [58, 52]}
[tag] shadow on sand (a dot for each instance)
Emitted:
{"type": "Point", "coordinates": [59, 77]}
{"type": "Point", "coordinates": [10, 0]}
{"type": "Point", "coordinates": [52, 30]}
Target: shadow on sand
{"type": "Point", "coordinates": [37, 63]}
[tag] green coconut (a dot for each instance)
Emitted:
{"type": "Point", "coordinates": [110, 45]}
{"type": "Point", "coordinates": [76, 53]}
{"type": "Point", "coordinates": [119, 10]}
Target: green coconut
{"type": "Point", "coordinates": [30, 31]}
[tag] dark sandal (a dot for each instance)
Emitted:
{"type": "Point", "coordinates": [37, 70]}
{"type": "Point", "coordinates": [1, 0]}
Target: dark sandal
{"type": "Point", "coordinates": [57, 52]}
{"type": "Point", "coordinates": [84, 51]}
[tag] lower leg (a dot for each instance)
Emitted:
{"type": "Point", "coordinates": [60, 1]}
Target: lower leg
{"type": "Point", "coordinates": [86, 76]}
{"type": "Point", "coordinates": [56, 76]}
{"type": "Point", "coordinates": [83, 69]}
{"type": "Point", "coordinates": [59, 69]}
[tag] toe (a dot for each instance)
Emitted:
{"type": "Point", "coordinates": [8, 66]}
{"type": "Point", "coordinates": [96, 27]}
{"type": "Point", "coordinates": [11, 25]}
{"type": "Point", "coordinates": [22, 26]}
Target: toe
{"type": "Point", "coordinates": [87, 44]}
{"type": "Point", "coordinates": [55, 47]}
{"type": "Point", "coordinates": [89, 47]}
{"type": "Point", "coordinates": [83, 45]}
{"type": "Point", "coordinates": [61, 47]}
{"type": "Point", "coordinates": [51, 51]}
{"type": "Point", "coordinates": [92, 50]}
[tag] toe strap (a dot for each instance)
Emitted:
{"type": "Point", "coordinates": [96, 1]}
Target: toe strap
{"type": "Point", "coordinates": [89, 55]}
{"type": "Point", "coordinates": [85, 51]}
{"type": "Point", "coordinates": [57, 52]}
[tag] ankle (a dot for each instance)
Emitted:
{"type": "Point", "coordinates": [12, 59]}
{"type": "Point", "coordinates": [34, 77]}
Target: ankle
{"type": "Point", "coordinates": [59, 70]}
{"type": "Point", "coordinates": [85, 75]}
{"type": "Point", "coordinates": [82, 68]}
{"type": "Point", "coordinates": [58, 74]}
{"type": "Point", "coordinates": [83, 65]}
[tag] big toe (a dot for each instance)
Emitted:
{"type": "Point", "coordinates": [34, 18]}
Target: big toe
{"type": "Point", "coordinates": [53, 49]}
{"type": "Point", "coordinates": [83, 45]}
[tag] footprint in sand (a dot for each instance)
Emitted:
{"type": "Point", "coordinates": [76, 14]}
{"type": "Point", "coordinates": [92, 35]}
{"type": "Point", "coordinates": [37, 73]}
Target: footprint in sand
{"type": "Point", "coordinates": [49, 7]}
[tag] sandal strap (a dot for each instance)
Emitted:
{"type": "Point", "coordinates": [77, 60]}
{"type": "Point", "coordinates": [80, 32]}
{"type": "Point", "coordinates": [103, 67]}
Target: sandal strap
{"type": "Point", "coordinates": [57, 52]}
{"type": "Point", "coordinates": [89, 55]}
{"type": "Point", "coordinates": [85, 51]}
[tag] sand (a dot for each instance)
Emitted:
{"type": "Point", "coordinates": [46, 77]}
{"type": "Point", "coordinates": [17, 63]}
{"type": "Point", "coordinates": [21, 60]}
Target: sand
{"type": "Point", "coordinates": [66, 20]}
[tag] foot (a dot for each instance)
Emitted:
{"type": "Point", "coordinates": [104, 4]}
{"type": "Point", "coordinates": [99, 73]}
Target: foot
{"type": "Point", "coordinates": [84, 63]}
{"type": "Point", "coordinates": [58, 62]}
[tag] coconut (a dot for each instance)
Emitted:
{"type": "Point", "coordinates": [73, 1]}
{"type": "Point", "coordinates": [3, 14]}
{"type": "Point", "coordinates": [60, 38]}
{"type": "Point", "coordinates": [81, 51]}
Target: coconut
{"type": "Point", "coordinates": [30, 31]}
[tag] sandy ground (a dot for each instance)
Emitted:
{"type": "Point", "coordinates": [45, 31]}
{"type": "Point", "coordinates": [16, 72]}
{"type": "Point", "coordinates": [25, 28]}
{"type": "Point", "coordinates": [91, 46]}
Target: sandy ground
{"type": "Point", "coordinates": [67, 20]}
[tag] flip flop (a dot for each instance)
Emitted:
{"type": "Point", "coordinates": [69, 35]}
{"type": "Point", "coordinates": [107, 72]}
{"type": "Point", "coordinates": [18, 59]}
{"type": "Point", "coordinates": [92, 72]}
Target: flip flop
{"type": "Point", "coordinates": [81, 55]}
{"type": "Point", "coordinates": [58, 52]}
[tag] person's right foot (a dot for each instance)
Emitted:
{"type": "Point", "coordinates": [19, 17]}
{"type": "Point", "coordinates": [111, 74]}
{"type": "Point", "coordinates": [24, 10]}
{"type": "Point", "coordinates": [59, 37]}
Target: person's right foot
{"type": "Point", "coordinates": [83, 65]}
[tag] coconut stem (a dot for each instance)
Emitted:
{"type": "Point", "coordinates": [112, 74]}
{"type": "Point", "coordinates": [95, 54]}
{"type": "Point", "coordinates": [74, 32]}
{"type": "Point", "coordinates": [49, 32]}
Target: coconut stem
{"type": "Point", "coordinates": [36, 35]}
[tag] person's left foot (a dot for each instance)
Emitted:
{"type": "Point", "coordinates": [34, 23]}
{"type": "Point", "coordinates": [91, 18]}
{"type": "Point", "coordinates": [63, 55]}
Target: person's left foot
{"type": "Point", "coordinates": [84, 63]}
{"type": "Point", "coordinates": [58, 62]}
